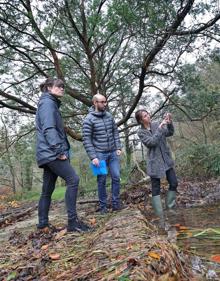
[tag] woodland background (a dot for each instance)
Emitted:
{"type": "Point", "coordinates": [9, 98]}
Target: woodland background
{"type": "Point", "coordinates": [159, 55]}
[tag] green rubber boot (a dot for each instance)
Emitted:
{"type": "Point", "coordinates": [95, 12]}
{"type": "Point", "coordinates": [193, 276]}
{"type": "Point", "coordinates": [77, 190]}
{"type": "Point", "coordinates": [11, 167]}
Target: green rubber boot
{"type": "Point", "coordinates": [171, 199]}
{"type": "Point", "coordinates": [158, 210]}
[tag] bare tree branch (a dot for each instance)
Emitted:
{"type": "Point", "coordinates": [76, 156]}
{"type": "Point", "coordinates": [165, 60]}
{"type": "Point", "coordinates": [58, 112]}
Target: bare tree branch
{"type": "Point", "coordinates": [17, 108]}
{"type": "Point", "coordinates": [151, 55]}
{"type": "Point", "coordinates": [200, 29]}
{"type": "Point", "coordinates": [21, 102]}
{"type": "Point", "coordinates": [73, 134]}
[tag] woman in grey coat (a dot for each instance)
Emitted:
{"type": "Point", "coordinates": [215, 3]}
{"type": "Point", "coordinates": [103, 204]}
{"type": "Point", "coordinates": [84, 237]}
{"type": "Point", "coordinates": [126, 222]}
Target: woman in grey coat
{"type": "Point", "coordinates": [159, 161]}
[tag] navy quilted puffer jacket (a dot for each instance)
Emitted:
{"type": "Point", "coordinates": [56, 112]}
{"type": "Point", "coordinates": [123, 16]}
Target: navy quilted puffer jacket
{"type": "Point", "coordinates": [100, 133]}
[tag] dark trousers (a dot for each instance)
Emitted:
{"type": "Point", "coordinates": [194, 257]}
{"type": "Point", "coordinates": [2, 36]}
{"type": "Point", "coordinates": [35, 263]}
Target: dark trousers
{"type": "Point", "coordinates": [171, 178]}
{"type": "Point", "coordinates": [52, 170]}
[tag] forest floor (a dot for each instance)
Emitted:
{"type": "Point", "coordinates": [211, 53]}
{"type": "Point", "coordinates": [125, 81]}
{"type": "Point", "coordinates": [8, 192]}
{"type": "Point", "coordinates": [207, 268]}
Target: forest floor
{"type": "Point", "coordinates": [123, 246]}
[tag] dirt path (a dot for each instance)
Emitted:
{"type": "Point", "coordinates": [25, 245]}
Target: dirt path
{"type": "Point", "coordinates": [25, 225]}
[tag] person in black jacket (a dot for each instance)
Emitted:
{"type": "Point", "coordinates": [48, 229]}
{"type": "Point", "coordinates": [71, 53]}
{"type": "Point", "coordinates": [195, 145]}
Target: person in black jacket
{"type": "Point", "coordinates": [101, 141]}
{"type": "Point", "coordinates": [52, 153]}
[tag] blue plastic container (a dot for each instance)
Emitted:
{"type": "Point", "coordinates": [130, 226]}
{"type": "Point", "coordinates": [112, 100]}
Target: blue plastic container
{"type": "Point", "coordinates": [100, 170]}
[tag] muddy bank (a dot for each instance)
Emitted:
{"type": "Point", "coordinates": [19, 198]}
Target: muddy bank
{"type": "Point", "coordinates": [189, 193]}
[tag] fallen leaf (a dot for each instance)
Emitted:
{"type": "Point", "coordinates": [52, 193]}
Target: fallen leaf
{"type": "Point", "coordinates": [129, 247]}
{"type": "Point", "coordinates": [189, 234]}
{"type": "Point", "coordinates": [98, 252]}
{"type": "Point", "coordinates": [37, 255]}
{"type": "Point", "coordinates": [215, 258]}
{"type": "Point", "coordinates": [62, 275]}
{"type": "Point", "coordinates": [13, 204]}
{"type": "Point", "coordinates": [60, 234]}
{"type": "Point", "coordinates": [120, 269]}
{"type": "Point", "coordinates": [11, 276]}
{"type": "Point", "coordinates": [154, 255]}
{"type": "Point", "coordinates": [132, 262]}
{"type": "Point", "coordinates": [167, 277]}
{"type": "Point", "coordinates": [182, 227]}
{"type": "Point", "coordinates": [54, 256]}
{"type": "Point", "coordinates": [92, 221]}
{"type": "Point", "coordinates": [164, 277]}
{"type": "Point", "coordinates": [45, 247]}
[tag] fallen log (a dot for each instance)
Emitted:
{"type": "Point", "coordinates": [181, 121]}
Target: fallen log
{"type": "Point", "coordinates": [15, 216]}
{"type": "Point", "coordinates": [88, 201]}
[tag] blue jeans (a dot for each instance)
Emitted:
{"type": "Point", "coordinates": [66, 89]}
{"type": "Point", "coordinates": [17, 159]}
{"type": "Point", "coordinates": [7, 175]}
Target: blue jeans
{"type": "Point", "coordinates": [113, 164]}
{"type": "Point", "coordinates": [52, 170]}
{"type": "Point", "coordinates": [171, 178]}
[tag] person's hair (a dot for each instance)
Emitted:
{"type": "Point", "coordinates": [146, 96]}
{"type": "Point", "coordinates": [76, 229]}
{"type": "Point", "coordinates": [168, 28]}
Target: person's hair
{"type": "Point", "coordinates": [97, 97]}
{"type": "Point", "coordinates": [138, 115]}
{"type": "Point", "coordinates": [50, 82]}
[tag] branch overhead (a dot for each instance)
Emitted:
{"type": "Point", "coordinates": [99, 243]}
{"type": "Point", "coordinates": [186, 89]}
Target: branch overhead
{"type": "Point", "coordinates": [97, 47]}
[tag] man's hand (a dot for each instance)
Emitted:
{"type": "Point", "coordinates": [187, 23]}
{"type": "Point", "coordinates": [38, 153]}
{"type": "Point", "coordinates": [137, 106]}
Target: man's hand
{"type": "Point", "coordinates": [95, 162]}
{"type": "Point", "coordinates": [118, 152]}
{"type": "Point", "coordinates": [62, 157]}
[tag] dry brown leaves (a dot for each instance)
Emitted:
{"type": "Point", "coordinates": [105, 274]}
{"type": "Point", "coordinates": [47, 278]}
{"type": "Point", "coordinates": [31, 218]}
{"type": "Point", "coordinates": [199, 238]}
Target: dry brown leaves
{"type": "Point", "coordinates": [123, 247]}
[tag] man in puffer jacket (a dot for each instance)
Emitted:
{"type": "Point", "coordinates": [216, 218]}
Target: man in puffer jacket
{"type": "Point", "coordinates": [101, 142]}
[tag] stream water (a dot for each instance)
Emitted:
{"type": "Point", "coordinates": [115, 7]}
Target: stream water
{"type": "Point", "coordinates": [197, 232]}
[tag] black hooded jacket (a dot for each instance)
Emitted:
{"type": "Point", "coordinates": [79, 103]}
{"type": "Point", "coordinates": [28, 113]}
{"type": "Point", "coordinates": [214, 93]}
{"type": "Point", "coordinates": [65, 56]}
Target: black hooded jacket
{"type": "Point", "coordinates": [51, 137]}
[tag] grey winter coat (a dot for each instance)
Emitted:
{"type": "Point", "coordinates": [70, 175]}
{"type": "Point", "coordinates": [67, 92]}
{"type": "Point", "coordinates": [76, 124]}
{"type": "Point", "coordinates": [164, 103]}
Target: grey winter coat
{"type": "Point", "coordinates": [159, 158]}
{"type": "Point", "coordinates": [100, 133]}
{"type": "Point", "coordinates": [51, 137]}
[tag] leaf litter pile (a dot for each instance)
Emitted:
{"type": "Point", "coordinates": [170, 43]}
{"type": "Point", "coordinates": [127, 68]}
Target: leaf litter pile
{"type": "Point", "coordinates": [123, 246]}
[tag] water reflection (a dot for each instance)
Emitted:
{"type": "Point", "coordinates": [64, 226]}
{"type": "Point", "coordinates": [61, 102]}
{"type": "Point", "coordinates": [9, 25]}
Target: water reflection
{"type": "Point", "coordinates": [198, 234]}
{"type": "Point", "coordinates": [198, 229]}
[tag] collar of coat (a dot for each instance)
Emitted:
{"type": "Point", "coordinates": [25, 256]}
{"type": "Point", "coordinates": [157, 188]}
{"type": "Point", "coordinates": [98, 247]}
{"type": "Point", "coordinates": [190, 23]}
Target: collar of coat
{"type": "Point", "coordinates": [96, 113]}
{"type": "Point", "coordinates": [47, 95]}
{"type": "Point", "coordinates": [153, 127]}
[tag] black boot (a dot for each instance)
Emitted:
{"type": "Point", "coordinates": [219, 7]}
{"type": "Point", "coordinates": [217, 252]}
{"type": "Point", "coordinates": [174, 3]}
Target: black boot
{"type": "Point", "coordinates": [77, 225]}
{"type": "Point", "coordinates": [42, 225]}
